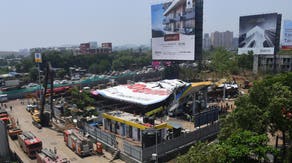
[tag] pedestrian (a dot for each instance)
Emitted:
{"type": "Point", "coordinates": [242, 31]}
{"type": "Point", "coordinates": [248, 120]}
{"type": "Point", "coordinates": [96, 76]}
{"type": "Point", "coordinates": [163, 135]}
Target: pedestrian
{"type": "Point", "coordinates": [55, 150]}
{"type": "Point", "coordinates": [17, 122]}
{"type": "Point", "coordinates": [5, 105]}
{"type": "Point", "coordinates": [10, 108]}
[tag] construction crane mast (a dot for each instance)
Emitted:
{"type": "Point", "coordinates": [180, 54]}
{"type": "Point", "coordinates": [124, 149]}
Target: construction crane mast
{"type": "Point", "coordinates": [49, 77]}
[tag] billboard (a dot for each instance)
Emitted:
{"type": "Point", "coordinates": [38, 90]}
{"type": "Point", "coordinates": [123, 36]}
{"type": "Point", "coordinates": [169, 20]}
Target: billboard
{"type": "Point", "coordinates": [258, 33]}
{"type": "Point", "coordinates": [173, 30]}
{"type": "Point", "coordinates": [143, 93]}
{"type": "Point", "coordinates": [37, 58]}
{"type": "Point", "coordinates": [287, 41]}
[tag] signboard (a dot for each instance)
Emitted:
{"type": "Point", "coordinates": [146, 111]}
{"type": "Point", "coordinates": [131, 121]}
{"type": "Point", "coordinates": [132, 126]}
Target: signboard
{"type": "Point", "coordinates": [257, 33]}
{"type": "Point", "coordinates": [38, 58]}
{"type": "Point", "coordinates": [173, 30]}
{"type": "Point", "coordinates": [287, 42]}
{"type": "Point", "coordinates": [143, 93]}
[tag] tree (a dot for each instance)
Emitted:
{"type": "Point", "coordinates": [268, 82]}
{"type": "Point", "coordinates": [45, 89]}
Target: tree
{"type": "Point", "coordinates": [245, 61]}
{"type": "Point", "coordinates": [93, 68]}
{"type": "Point", "coordinates": [224, 62]}
{"type": "Point", "coordinates": [33, 73]}
{"type": "Point", "coordinates": [81, 98]}
{"type": "Point", "coordinates": [25, 65]}
{"type": "Point", "coordinates": [244, 117]}
{"type": "Point", "coordinates": [203, 153]}
{"type": "Point", "coordinates": [244, 146]}
{"type": "Point", "coordinates": [268, 108]}
{"type": "Point", "coordinates": [61, 73]}
{"type": "Point", "coordinates": [240, 147]}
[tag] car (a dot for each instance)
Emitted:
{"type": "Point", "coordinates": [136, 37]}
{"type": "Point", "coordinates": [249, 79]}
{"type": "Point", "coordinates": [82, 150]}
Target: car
{"type": "Point", "coordinates": [32, 85]}
{"type": "Point", "coordinates": [64, 82]}
{"type": "Point", "coordinates": [56, 82]}
{"type": "Point", "coordinates": [29, 107]}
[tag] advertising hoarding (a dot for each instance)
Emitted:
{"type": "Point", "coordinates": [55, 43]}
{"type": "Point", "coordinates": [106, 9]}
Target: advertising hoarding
{"type": "Point", "coordinates": [37, 58]}
{"type": "Point", "coordinates": [143, 93]}
{"type": "Point", "coordinates": [287, 41]}
{"type": "Point", "coordinates": [258, 33]}
{"type": "Point", "coordinates": [173, 30]}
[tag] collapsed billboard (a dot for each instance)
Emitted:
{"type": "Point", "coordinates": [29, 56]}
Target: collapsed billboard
{"type": "Point", "coordinates": [143, 93]}
{"type": "Point", "coordinates": [173, 30]}
{"type": "Point", "coordinates": [258, 33]}
{"type": "Point", "coordinates": [287, 41]}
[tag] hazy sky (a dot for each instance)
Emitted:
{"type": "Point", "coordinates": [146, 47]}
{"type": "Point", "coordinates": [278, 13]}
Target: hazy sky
{"type": "Point", "coordinates": [43, 23]}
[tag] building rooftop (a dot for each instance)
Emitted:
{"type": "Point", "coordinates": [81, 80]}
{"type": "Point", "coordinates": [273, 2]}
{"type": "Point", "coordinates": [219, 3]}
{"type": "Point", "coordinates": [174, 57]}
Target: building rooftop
{"type": "Point", "coordinates": [133, 120]}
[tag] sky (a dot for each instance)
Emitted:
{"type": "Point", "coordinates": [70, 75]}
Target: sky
{"type": "Point", "coordinates": [44, 23]}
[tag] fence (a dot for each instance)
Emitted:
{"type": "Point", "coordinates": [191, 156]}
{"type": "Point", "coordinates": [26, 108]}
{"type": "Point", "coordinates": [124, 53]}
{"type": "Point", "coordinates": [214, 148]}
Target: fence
{"type": "Point", "coordinates": [98, 134]}
{"type": "Point", "coordinates": [133, 151]}
{"type": "Point", "coordinates": [185, 140]}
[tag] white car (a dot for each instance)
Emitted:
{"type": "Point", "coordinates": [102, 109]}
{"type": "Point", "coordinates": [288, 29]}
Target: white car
{"type": "Point", "coordinates": [64, 82]}
{"type": "Point", "coordinates": [32, 85]}
{"type": "Point", "coordinates": [56, 82]}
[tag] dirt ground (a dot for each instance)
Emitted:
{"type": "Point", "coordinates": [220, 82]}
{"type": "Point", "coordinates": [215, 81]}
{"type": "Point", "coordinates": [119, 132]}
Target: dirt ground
{"type": "Point", "coordinates": [49, 137]}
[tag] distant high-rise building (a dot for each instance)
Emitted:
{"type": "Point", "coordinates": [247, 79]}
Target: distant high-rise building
{"type": "Point", "coordinates": [227, 39]}
{"type": "Point", "coordinates": [222, 39]}
{"type": "Point", "coordinates": [206, 41]}
{"type": "Point", "coordinates": [235, 43]}
{"type": "Point", "coordinates": [216, 40]}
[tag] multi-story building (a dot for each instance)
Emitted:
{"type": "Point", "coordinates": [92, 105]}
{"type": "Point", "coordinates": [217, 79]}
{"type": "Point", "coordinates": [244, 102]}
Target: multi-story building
{"type": "Point", "coordinates": [222, 39]}
{"type": "Point", "coordinates": [227, 39]}
{"type": "Point", "coordinates": [92, 48]}
{"type": "Point", "coordinates": [206, 41]}
{"type": "Point", "coordinates": [235, 43]}
{"type": "Point", "coordinates": [271, 63]}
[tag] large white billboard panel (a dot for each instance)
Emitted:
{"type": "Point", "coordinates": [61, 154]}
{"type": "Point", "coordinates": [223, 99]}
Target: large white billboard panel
{"type": "Point", "coordinates": [257, 33]}
{"type": "Point", "coordinates": [173, 30]}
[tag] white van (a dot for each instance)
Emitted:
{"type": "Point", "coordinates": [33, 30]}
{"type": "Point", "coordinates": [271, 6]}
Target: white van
{"type": "Point", "coordinates": [3, 98]}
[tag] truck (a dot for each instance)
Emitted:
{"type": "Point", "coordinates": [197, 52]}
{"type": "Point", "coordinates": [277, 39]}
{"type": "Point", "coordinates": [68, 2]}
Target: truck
{"type": "Point", "coordinates": [30, 144]}
{"type": "Point", "coordinates": [78, 143]}
{"type": "Point", "coordinates": [14, 129]}
{"type": "Point", "coordinates": [4, 117]}
{"type": "Point", "coordinates": [48, 156]}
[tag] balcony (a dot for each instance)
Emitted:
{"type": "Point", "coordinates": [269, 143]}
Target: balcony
{"type": "Point", "coordinates": [172, 19]}
{"type": "Point", "coordinates": [168, 20]}
{"type": "Point", "coordinates": [188, 14]}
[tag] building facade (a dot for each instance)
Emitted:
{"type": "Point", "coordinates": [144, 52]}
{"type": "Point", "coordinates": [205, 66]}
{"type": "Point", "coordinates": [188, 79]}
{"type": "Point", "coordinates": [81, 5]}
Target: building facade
{"type": "Point", "coordinates": [222, 39]}
{"type": "Point", "coordinates": [206, 41]}
{"type": "Point", "coordinates": [92, 48]}
{"type": "Point", "coordinates": [266, 63]}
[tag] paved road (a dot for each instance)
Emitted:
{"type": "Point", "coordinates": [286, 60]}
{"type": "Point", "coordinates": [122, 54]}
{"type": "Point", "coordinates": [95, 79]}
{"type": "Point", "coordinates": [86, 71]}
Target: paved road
{"type": "Point", "coordinates": [49, 137]}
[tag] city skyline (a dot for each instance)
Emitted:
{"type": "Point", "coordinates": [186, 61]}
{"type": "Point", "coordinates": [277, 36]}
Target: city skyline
{"type": "Point", "coordinates": [32, 23]}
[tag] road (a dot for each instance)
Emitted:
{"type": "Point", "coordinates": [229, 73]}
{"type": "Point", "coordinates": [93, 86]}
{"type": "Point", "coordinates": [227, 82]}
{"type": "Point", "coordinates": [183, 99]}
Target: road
{"type": "Point", "coordinates": [49, 137]}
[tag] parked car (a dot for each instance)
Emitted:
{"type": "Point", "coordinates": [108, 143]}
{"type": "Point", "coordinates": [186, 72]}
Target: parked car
{"type": "Point", "coordinates": [30, 107]}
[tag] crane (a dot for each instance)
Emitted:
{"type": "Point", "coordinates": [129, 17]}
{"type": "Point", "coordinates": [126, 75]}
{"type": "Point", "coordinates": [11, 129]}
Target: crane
{"type": "Point", "coordinates": [42, 116]}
